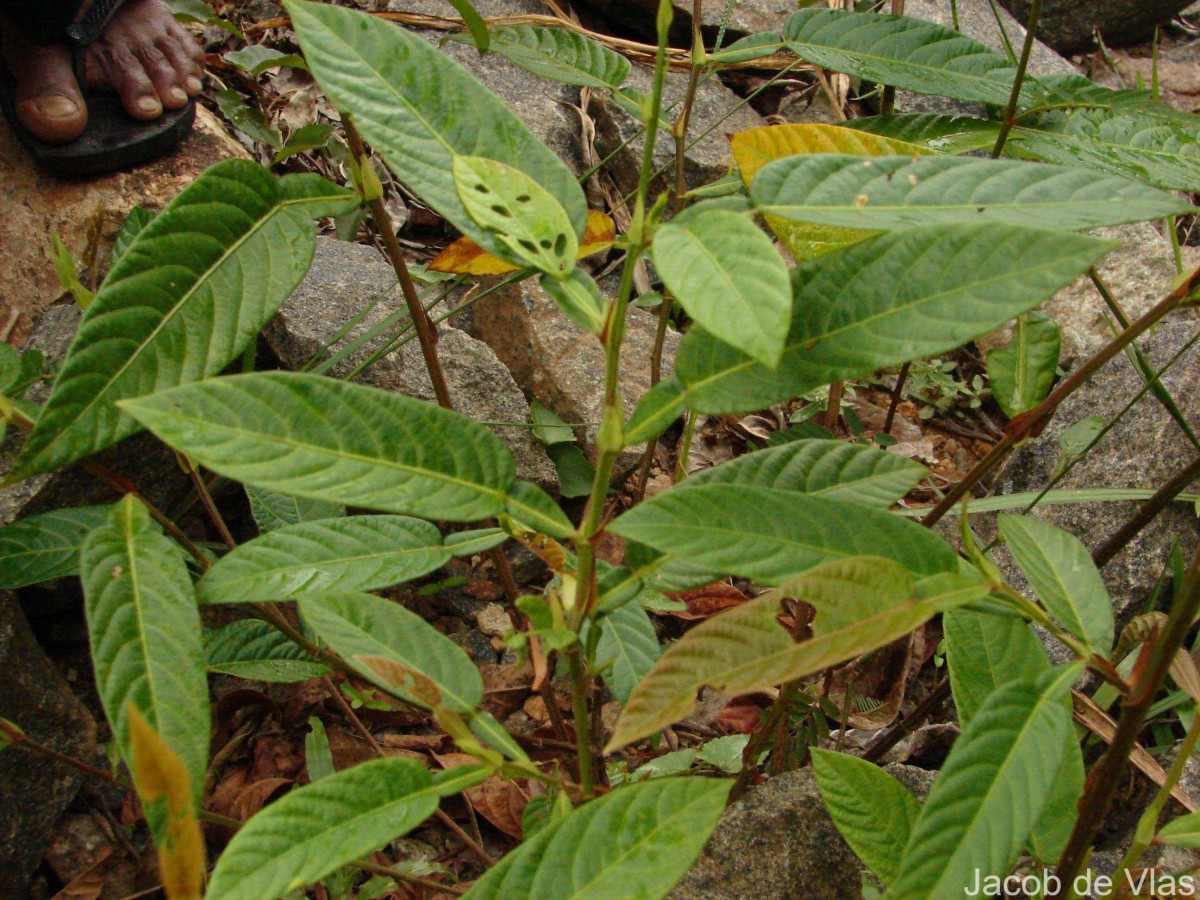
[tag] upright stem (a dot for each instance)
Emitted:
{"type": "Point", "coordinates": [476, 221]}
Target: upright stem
{"type": "Point", "coordinates": [1103, 780]}
{"type": "Point", "coordinates": [579, 711]}
{"type": "Point", "coordinates": [206, 500]}
{"type": "Point", "coordinates": [1031, 422]}
{"type": "Point", "coordinates": [1010, 114]}
{"type": "Point", "coordinates": [426, 334]}
{"type": "Point", "coordinates": [887, 102]}
{"type": "Point", "coordinates": [897, 395]}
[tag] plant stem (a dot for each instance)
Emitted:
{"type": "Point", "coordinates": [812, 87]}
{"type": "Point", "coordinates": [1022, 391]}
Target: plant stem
{"type": "Point", "coordinates": [579, 708]}
{"type": "Point", "coordinates": [1103, 780]}
{"type": "Point", "coordinates": [660, 338]}
{"type": "Point", "coordinates": [1146, 513]}
{"type": "Point", "coordinates": [780, 709]}
{"type": "Point", "coordinates": [1010, 115]}
{"type": "Point", "coordinates": [206, 500]}
{"type": "Point", "coordinates": [427, 883]}
{"type": "Point", "coordinates": [897, 394]}
{"type": "Point", "coordinates": [887, 102]}
{"type": "Point", "coordinates": [426, 334]}
{"type": "Point", "coordinates": [889, 738]}
{"type": "Point", "coordinates": [1031, 423]}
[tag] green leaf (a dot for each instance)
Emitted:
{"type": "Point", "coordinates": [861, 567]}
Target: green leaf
{"type": "Point", "coordinates": [873, 811]}
{"type": "Point", "coordinates": [317, 828]}
{"type": "Point", "coordinates": [725, 753]}
{"type": "Point", "coordinates": [629, 645]}
{"type": "Point", "coordinates": [893, 192]}
{"type": "Point", "coordinates": [318, 758]}
{"type": "Point", "coordinates": [1182, 832]}
{"type": "Point", "coordinates": [137, 219]}
{"type": "Point", "coordinates": [533, 508]}
{"type": "Point", "coordinates": [548, 428]}
{"type": "Point", "coordinates": [752, 46]}
{"type": "Point", "coordinates": [945, 134]}
{"type": "Point", "coordinates": [1022, 373]}
{"type": "Point", "coordinates": [255, 650]}
{"type": "Point", "coordinates": [990, 791]}
{"type": "Point", "coordinates": [145, 634]}
{"type": "Point", "coordinates": [247, 119]}
{"type": "Point", "coordinates": [561, 55]}
{"type": "Point", "coordinates": [258, 58]}
{"type": "Point", "coordinates": [45, 546]}
{"type": "Point", "coordinates": [526, 218]}
{"type": "Point", "coordinates": [310, 137]}
{"type": "Point", "coordinates": [887, 300]}
{"type": "Point", "coordinates": [658, 408]}
{"type": "Point", "coordinates": [419, 109]}
{"type": "Point", "coordinates": [729, 277]}
{"type": "Point", "coordinates": [359, 553]}
{"type": "Point", "coordinates": [862, 604]}
{"type": "Point", "coordinates": [987, 651]}
{"type": "Point", "coordinates": [633, 843]}
{"type": "Point", "coordinates": [575, 473]}
{"type": "Point", "coordinates": [338, 442]}
{"type": "Point", "coordinates": [1054, 826]}
{"type": "Point", "coordinates": [426, 667]}
{"type": "Point", "coordinates": [1061, 572]}
{"type": "Point", "coordinates": [579, 298]}
{"type": "Point", "coordinates": [904, 52]}
{"type": "Point", "coordinates": [476, 26]}
{"type": "Point", "coordinates": [1147, 148]}
{"type": "Point", "coordinates": [192, 290]}
{"type": "Point", "coordinates": [478, 540]}
{"type": "Point", "coordinates": [770, 536]}
{"type": "Point", "coordinates": [271, 510]}
{"type": "Point", "coordinates": [822, 468]}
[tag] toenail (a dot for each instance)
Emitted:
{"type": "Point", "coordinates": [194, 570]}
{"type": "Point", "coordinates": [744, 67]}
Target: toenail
{"type": "Point", "coordinates": [176, 95]}
{"type": "Point", "coordinates": [56, 106]}
{"type": "Point", "coordinates": [147, 104]}
{"type": "Point", "coordinates": [194, 85]}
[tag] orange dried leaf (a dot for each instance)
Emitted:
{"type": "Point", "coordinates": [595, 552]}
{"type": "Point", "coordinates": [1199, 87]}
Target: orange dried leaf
{"type": "Point", "coordinates": [465, 257]}
{"type": "Point", "coordinates": [165, 788]}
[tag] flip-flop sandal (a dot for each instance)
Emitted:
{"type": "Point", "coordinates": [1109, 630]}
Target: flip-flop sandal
{"type": "Point", "coordinates": [112, 139]}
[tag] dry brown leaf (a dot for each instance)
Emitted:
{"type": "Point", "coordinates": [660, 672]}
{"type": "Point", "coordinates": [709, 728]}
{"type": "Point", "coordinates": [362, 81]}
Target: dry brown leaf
{"type": "Point", "coordinates": [253, 798]}
{"type": "Point", "coordinates": [706, 601]}
{"type": "Point", "coordinates": [499, 801]}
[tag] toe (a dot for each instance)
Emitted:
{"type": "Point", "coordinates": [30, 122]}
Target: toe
{"type": "Point", "coordinates": [48, 101]}
{"type": "Point", "coordinates": [128, 77]}
{"type": "Point", "coordinates": [167, 81]}
{"type": "Point", "coordinates": [184, 56]}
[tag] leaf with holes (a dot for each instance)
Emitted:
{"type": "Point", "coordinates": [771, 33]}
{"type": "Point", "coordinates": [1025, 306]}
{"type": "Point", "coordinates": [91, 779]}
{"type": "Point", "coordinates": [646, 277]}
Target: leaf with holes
{"type": "Point", "coordinates": [822, 468]}
{"type": "Point", "coordinates": [364, 629]}
{"type": "Point", "coordinates": [725, 272]}
{"type": "Point", "coordinates": [193, 289]}
{"type": "Point", "coordinates": [769, 535]}
{"type": "Point", "coordinates": [419, 109]}
{"type": "Point", "coordinates": [144, 629]}
{"type": "Point", "coordinates": [341, 443]}
{"type": "Point", "coordinates": [887, 300]}
{"type": "Point", "coordinates": [903, 52]}
{"type": "Point", "coordinates": [991, 789]}
{"type": "Point", "coordinates": [1061, 572]}
{"type": "Point", "coordinates": [257, 651]}
{"type": "Point", "coordinates": [359, 553]}
{"type": "Point", "coordinates": [862, 603]}
{"type": "Point", "coordinates": [45, 546]}
{"type": "Point", "coordinates": [628, 647]}
{"type": "Point", "coordinates": [560, 55]}
{"type": "Point", "coordinates": [271, 510]}
{"type": "Point", "coordinates": [890, 193]}
{"type": "Point", "coordinates": [317, 828]}
{"type": "Point", "coordinates": [633, 843]}
{"type": "Point", "coordinates": [873, 811]}
{"type": "Point", "coordinates": [1022, 373]}
{"type": "Point", "coordinates": [465, 257]}
{"type": "Point", "coordinates": [524, 217]}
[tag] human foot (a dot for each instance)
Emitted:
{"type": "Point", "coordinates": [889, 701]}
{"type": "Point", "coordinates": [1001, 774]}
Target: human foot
{"type": "Point", "coordinates": [144, 55]}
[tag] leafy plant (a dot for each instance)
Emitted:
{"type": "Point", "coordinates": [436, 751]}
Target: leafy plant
{"type": "Point", "coordinates": [906, 250]}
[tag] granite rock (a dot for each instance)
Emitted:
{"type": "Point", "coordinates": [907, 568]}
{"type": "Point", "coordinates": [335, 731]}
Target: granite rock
{"type": "Point", "coordinates": [561, 366]}
{"type": "Point", "coordinates": [348, 280]}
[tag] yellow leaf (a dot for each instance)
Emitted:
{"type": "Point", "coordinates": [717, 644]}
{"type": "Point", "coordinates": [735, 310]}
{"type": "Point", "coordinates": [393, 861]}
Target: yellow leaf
{"type": "Point", "coordinates": [163, 784]}
{"type": "Point", "coordinates": [465, 257]}
{"type": "Point", "coordinates": [756, 147]}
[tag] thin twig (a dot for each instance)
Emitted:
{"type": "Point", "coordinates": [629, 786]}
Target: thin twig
{"type": "Point", "coordinates": [897, 394]}
{"type": "Point", "coordinates": [894, 733]}
{"type": "Point", "coordinates": [887, 102]}
{"type": "Point", "coordinates": [1010, 114]}
{"type": "Point", "coordinates": [206, 500]}
{"type": "Point", "coordinates": [1146, 513]}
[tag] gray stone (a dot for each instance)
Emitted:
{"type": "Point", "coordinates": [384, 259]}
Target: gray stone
{"type": "Point", "coordinates": [37, 205]}
{"type": "Point", "coordinates": [348, 280]}
{"type": "Point", "coordinates": [1144, 450]}
{"type": "Point", "coordinates": [716, 113]}
{"type": "Point", "coordinates": [777, 842]}
{"type": "Point", "coordinates": [1068, 25]}
{"type": "Point", "coordinates": [561, 366]}
{"type": "Point", "coordinates": [34, 791]}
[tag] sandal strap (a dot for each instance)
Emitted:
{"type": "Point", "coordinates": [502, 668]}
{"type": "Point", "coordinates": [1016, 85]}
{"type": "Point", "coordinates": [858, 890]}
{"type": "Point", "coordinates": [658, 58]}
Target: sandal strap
{"type": "Point", "coordinates": [92, 23]}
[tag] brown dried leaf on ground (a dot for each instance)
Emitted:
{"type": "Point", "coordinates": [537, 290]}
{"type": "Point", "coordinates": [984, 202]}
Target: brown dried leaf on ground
{"type": "Point", "coordinates": [706, 601]}
{"type": "Point", "coordinates": [505, 687]}
{"type": "Point", "coordinates": [498, 800]}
